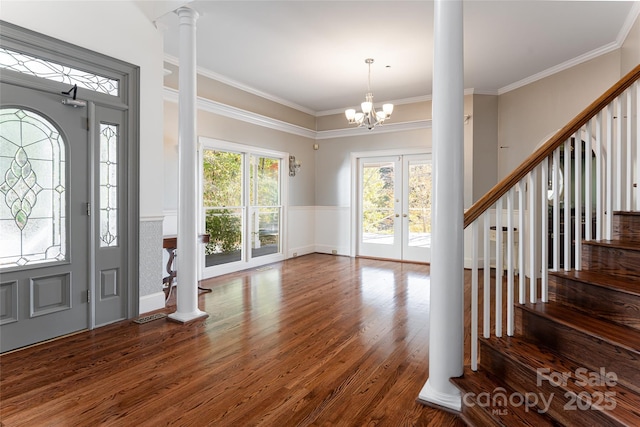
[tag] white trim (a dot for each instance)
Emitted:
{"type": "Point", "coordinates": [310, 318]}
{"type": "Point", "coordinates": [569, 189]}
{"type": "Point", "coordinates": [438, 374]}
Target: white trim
{"type": "Point", "coordinates": [236, 84]}
{"type": "Point", "coordinates": [430, 395]}
{"type": "Point", "coordinates": [151, 302]}
{"type": "Point", "coordinates": [628, 23]}
{"type": "Point", "coordinates": [154, 218]}
{"type": "Point", "coordinates": [244, 149]}
{"type": "Point", "coordinates": [561, 67]}
{"type": "Point", "coordinates": [214, 107]}
{"type": "Point", "coordinates": [358, 131]}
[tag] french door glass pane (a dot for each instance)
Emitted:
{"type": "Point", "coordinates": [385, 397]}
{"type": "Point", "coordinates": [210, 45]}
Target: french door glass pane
{"type": "Point", "coordinates": [222, 200]}
{"type": "Point", "coordinates": [420, 203]}
{"type": "Point", "coordinates": [264, 195]}
{"type": "Point", "coordinates": [378, 203]}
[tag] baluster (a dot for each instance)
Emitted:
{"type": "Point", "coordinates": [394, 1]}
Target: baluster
{"type": "Point", "coordinates": [599, 164]}
{"type": "Point", "coordinates": [608, 219]}
{"type": "Point", "coordinates": [566, 258]}
{"type": "Point", "coordinates": [628, 181]}
{"type": "Point", "coordinates": [556, 209]}
{"type": "Point", "coordinates": [577, 189]}
{"type": "Point", "coordinates": [531, 235]}
{"type": "Point", "coordinates": [588, 188]}
{"type": "Point", "coordinates": [521, 240]}
{"type": "Point", "coordinates": [510, 316]}
{"type": "Point", "coordinates": [498, 318]}
{"type": "Point", "coordinates": [486, 321]}
{"type": "Point", "coordinates": [618, 149]}
{"type": "Point", "coordinates": [544, 232]}
{"type": "Point", "coordinates": [637, 144]}
{"type": "Point", "coordinates": [474, 296]}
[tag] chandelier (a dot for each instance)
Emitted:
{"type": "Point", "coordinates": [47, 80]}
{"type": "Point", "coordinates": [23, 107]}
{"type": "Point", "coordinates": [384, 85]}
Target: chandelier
{"type": "Point", "coordinates": [369, 117]}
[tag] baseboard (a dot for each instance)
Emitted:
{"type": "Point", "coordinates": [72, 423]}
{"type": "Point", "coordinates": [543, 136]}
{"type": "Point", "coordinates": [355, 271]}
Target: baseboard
{"type": "Point", "coordinates": [303, 250]}
{"type": "Point", "coordinates": [326, 249]}
{"type": "Point", "coordinates": [151, 302]}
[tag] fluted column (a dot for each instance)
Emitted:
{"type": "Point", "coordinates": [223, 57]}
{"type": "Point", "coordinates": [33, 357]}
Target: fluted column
{"type": "Point", "coordinates": [187, 248]}
{"type": "Point", "coordinates": [447, 249]}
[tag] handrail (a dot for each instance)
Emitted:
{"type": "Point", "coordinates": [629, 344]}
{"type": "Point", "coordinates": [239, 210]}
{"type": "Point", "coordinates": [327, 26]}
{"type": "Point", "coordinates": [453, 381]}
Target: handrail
{"type": "Point", "coordinates": [500, 189]}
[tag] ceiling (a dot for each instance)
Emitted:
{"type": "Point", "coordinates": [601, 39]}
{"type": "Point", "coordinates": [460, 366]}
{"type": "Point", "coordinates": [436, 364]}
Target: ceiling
{"type": "Point", "coordinates": [310, 54]}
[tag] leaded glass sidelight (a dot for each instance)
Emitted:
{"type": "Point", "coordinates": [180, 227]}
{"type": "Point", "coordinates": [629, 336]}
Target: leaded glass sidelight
{"type": "Point", "coordinates": [32, 189]}
{"type": "Point", "coordinates": [39, 67]}
{"type": "Point", "coordinates": [108, 185]}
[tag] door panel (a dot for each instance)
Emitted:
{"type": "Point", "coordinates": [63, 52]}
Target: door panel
{"type": "Point", "coordinates": [109, 142]}
{"type": "Point", "coordinates": [380, 208]}
{"type": "Point", "coordinates": [265, 208]}
{"type": "Point", "coordinates": [416, 224]}
{"type": "Point", "coordinates": [395, 207]}
{"type": "Point", "coordinates": [43, 260]}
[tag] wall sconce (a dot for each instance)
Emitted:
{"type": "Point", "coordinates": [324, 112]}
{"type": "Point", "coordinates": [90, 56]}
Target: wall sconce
{"type": "Point", "coordinates": [294, 166]}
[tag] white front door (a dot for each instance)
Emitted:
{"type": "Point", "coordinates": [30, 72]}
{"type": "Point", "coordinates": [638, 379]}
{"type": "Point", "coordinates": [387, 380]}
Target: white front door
{"type": "Point", "coordinates": [394, 216]}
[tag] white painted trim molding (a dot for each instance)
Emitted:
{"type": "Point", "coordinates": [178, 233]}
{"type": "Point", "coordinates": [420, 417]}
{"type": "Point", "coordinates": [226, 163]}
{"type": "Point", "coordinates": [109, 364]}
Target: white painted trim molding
{"type": "Point", "coordinates": [151, 302]}
{"type": "Point", "coordinates": [171, 95]}
{"type": "Point", "coordinates": [430, 395]}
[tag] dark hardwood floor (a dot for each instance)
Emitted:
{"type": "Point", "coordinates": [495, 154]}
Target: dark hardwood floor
{"type": "Point", "coordinates": [316, 340]}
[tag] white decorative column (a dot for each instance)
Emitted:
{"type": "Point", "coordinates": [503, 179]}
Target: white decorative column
{"type": "Point", "coordinates": [188, 242]}
{"type": "Point", "coordinates": [447, 248]}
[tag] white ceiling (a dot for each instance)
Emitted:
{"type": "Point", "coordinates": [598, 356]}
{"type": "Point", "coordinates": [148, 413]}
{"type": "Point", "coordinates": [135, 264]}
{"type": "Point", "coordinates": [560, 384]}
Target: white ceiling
{"type": "Point", "coordinates": [310, 54]}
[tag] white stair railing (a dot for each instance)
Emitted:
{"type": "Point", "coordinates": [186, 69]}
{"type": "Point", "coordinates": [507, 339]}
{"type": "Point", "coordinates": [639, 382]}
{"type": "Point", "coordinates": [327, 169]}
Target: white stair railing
{"type": "Point", "coordinates": [563, 194]}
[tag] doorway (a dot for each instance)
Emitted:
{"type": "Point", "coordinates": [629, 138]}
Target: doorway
{"type": "Point", "coordinates": [68, 196]}
{"type": "Point", "coordinates": [394, 207]}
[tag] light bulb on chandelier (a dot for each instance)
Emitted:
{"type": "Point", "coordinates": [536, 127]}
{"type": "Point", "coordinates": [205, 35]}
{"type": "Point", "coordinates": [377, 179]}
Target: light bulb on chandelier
{"type": "Point", "coordinates": [369, 117]}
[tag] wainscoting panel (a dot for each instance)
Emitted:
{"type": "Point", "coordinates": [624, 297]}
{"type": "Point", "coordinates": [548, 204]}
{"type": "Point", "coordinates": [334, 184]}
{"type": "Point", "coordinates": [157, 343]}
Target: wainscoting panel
{"type": "Point", "coordinates": [333, 230]}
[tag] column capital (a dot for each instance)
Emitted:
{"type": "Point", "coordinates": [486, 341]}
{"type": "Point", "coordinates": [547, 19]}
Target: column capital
{"type": "Point", "coordinates": [186, 13]}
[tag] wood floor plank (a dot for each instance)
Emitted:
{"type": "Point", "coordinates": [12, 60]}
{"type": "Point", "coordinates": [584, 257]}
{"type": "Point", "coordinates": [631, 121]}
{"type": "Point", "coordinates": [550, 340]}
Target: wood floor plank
{"type": "Point", "coordinates": [315, 340]}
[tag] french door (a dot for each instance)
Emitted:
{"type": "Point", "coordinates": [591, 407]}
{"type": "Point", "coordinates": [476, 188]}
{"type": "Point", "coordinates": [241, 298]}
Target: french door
{"type": "Point", "coordinates": [242, 206]}
{"type": "Point", "coordinates": [394, 215]}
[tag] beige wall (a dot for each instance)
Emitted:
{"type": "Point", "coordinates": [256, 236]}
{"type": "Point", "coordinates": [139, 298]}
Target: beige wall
{"type": "Point", "coordinates": [401, 113]}
{"type": "Point", "coordinates": [228, 95]}
{"type": "Point", "coordinates": [484, 120]}
{"type": "Point", "coordinates": [529, 114]}
{"type": "Point", "coordinates": [630, 52]}
{"type": "Point", "coordinates": [301, 187]}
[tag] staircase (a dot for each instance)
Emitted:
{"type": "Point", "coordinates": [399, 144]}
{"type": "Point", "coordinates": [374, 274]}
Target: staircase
{"type": "Point", "coordinates": [555, 333]}
{"type": "Point", "coordinates": [574, 361]}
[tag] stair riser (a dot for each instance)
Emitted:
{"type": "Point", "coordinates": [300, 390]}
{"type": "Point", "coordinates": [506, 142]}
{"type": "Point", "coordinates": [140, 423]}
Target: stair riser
{"type": "Point", "coordinates": [618, 261]}
{"type": "Point", "coordinates": [553, 399]}
{"type": "Point", "coordinates": [590, 352]}
{"type": "Point", "coordinates": [626, 227]}
{"type": "Point", "coordinates": [608, 304]}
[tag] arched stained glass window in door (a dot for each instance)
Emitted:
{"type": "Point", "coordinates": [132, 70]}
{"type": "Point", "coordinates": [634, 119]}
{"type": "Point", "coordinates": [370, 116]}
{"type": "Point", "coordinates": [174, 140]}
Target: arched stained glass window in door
{"type": "Point", "coordinates": [32, 189]}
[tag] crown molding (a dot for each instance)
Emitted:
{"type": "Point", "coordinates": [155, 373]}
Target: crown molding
{"type": "Point", "coordinates": [214, 107]}
{"type": "Point", "coordinates": [386, 128]}
{"type": "Point", "coordinates": [560, 67]}
{"type": "Point", "coordinates": [610, 47]}
{"type": "Point", "coordinates": [236, 84]}
{"type": "Point", "coordinates": [171, 95]}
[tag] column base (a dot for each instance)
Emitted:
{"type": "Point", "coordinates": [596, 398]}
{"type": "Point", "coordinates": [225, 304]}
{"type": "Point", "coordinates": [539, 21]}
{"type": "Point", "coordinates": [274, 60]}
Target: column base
{"type": "Point", "coordinates": [187, 317]}
{"type": "Point", "coordinates": [429, 396]}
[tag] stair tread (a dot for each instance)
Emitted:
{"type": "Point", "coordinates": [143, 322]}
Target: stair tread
{"type": "Point", "coordinates": [629, 213]}
{"type": "Point", "coordinates": [618, 335]}
{"type": "Point", "coordinates": [609, 281]}
{"type": "Point", "coordinates": [477, 382]}
{"type": "Point", "coordinates": [627, 403]}
{"type": "Point", "coordinates": [618, 244]}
